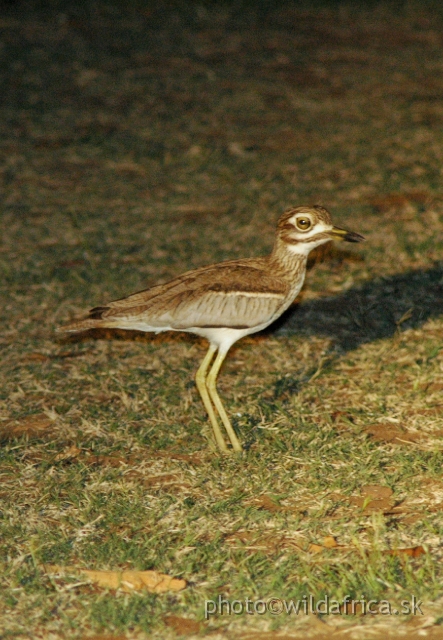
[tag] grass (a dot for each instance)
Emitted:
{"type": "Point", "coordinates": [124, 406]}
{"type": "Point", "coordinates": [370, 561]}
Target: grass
{"type": "Point", "coordinates": [136, 147]}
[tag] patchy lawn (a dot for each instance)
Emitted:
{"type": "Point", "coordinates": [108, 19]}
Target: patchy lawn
{"type": "Point", "coordinates": [139, 143]}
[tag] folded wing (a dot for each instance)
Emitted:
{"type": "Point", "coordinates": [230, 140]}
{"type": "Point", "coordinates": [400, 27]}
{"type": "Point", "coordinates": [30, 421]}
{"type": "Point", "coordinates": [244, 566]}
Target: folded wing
{"type": "Point", "coordinates": [238, 294]}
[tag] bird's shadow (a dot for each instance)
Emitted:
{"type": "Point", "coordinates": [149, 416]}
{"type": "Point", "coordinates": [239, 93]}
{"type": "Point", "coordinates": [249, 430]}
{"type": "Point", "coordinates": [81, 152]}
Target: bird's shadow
{"type": "Point", "coordinates": [378, 309]}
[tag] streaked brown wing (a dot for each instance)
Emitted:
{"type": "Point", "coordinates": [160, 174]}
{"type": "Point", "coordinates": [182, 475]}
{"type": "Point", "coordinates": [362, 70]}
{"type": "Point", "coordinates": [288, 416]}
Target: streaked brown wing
{"type": "Point", "coordinates": [230, 295]}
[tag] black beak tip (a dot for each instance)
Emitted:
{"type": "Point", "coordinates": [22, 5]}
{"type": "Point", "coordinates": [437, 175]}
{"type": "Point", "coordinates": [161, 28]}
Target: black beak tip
{"type": "Point", "coordinates": [351, 236]}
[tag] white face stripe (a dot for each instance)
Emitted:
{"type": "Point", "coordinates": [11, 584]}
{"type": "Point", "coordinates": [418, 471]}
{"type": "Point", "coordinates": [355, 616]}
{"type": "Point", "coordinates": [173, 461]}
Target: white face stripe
{"type": "Point", "coordinates": [250, 294]}
{"type": "Point", "coordinates": [302, 242]}
{"type": "Point", "coordinates": [305, 248]}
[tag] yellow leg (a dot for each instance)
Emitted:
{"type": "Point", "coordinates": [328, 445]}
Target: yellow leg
{"type": "Point", "coordinates": [211, 381]}
{"type": "Point", "coordinates": [200, 380]}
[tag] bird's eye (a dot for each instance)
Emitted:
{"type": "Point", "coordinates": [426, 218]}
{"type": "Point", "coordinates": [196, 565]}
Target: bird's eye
{"type": "Point", "coordinates": [303, 224]}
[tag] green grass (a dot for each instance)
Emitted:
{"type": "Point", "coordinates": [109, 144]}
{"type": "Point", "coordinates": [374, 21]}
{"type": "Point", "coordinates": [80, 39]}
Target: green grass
{"type": "Point", "coordinates": [135, 148]}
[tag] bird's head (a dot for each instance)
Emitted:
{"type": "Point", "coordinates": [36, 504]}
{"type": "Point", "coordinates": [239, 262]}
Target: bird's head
{"type": "Point", "coordinates": [304, 228]}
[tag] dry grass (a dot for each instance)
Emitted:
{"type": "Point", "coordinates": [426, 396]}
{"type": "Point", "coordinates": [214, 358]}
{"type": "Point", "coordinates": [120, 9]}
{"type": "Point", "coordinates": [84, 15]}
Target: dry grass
{"type": "Point", "coordinates": [136, 145]}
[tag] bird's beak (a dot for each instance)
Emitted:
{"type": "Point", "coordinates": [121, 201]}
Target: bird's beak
{"type": "Point", "coordinates": [342, 234]}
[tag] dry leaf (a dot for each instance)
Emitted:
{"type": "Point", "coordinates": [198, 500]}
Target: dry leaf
{"type": "Point", "coordinates": [245, 537]}
{"type": "Point", "coordinates": [68, 454]}
{"type": "Point", "coordinates": [412, 518]}
{"type": "Point", "coordinates": [128, 581]}
{"type": "Point", "coordinates": [337, 416]}
{"type": "Point", "coordinates": [389, 433]}
{"type": "Point", "coordinates": [432, 387]}
{"type": "Point", "coordinates": [183, 626]}
{"type": "Point", "coordinates": [248, 540]}
{"type": "Point", "coordinates": [376, 491]}
{"type": "Point", "coordinates": [330, 543]}
{"type": "Point", "coordinates": [315, 548]}
{"type": "Point", "coordinates": [43, 357]}
{"type": "Point", "coordinates": [164, 478]}
{"type": "Point", "coordinates": [106, 461]}
{"type": "Point", "coordinates": [375, 498]}
{"type": "Point", "coordinates": [253, 541]}
{"type": "Point", "coordinates": [37, 357]}
{"type": "Point", "coordinates": [413, 552]}
{"type": "Point", "coordinates": [266, 502]}
{"type": "Point", "coordinates": [194, 458]}
{"type": "Point", "coordinates": [34, 426]}
{"type": "Point", "coordinates": [369, 506]}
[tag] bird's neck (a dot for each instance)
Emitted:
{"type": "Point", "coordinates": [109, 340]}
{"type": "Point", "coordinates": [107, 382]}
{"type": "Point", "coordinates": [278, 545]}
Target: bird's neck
{"type": "Point", "coordinates": [286, 261]}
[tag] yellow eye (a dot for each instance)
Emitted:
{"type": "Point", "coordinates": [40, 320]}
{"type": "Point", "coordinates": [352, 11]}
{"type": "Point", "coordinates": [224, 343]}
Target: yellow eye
{"type": "Point", "coordinates": [303, 224]}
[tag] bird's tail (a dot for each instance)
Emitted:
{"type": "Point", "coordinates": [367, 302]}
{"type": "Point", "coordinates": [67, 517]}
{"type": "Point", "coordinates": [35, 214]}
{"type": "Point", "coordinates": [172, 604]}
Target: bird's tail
{"type": "Point", "coordinates": [94, 320]}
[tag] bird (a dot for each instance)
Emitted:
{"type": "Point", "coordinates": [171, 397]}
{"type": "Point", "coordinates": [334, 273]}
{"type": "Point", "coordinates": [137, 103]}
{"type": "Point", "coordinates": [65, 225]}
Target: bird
{"type": "Point", "coordinates": [225, 302]}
